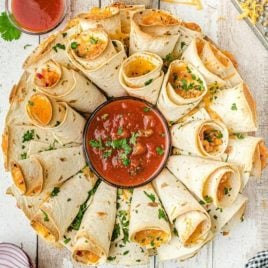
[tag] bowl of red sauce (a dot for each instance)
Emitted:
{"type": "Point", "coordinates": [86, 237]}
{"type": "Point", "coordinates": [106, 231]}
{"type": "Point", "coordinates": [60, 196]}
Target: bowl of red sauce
{"type": "Point", "coordinates": [127, 142]}
{"type": "Point", "coordinates": [36, 16]}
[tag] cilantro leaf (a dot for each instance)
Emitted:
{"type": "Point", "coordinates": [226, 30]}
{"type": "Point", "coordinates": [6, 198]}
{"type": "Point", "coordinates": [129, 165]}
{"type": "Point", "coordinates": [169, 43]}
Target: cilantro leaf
{"type": "Point", "coordinates": [7, 30]}
{"type": "Point", "coordinates": [55, 191]}
{"type": "Point", "coordinates": [150, 196]}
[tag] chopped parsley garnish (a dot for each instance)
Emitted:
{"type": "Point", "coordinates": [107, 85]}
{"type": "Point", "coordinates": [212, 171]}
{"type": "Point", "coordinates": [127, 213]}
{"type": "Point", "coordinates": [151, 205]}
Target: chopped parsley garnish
{"type": "Point", "coordinates": [58, 46]}
{"type": "Point", "coordinates": [27, 45]}
{"type": "Point", "coordinates": [126, 252]}
{"type": "Point", "coordinates": [183, 44]}
{"type": "Point", "coordinates": [64, 35]}
{"type": "Point", "coordinates": [162, 214]}
{"type": "Point", "coordinates": [111, 258]}
{"type": "Point", "coordinates": [116, 232]}
{"type": "Point", "coordinates": [240, 136]}
{"type": "Point", "coordinates": [74, 45]}
{"type": "Point", "coordinates": [66, 240]}
{"type": "Point", "coordinates": [23, 156]}
{"type": "Point", "coordinates": [148, 82]}
{"type": "Point", "coordinates": [208, 199]}
{"type": "Point", "coordinates": [133, 138]}
{"type": "Point", "coordinates": [7, 30]}
{"type": "Point", "coordinates": [120, 131]}
{"type": "Point", "coordinates": [215, 217]}
{"type": "Point", "coordinates": [234, 107]}
{"type": "Point", "coordinates": [96, 144]}
{"type": "Point", "coordinates": [93, 40]}
{"type": "Point", "coordinates": [146, 109]}
{"type": "Point", "coordinates": [169, 58]}
{"type": "Point", "coordinates": [201, 202]}
{"type": "Point", "coordinates": [150, 196]}
{"type": "Point", "coordinates": [227, 190]}
{"type": "Point", "coordinates": [107, 153]}
{"type": "Point", "coordinates": [69, 199]}
{"type": "Point", "coordinates": [28, 135]}
{"type": "Point", "coordinates": [45, 215]}
{"type": "Point", "coordinates": [55, 191]}
{"type": "Point", "coordinates": [160, 150]}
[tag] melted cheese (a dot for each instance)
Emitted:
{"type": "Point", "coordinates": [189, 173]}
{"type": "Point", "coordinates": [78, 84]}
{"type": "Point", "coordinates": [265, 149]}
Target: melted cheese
{"type": "Point", "coordinates": [151, 237]}
{"type": "Point", "coordinates": [47, 77]}
{"type": "Point", "coordinates": [86, 257]}
{"type": "Point", "coordinates": [18, 177]}
{"type": "Point", "coordinates": [139, 67]}
{"type": "Point", "coordinates": [159, 18]}
{"type": "Point", "coordinates": [40, 109]}
{"type": "Point", "coordinates": [90, 45]}
{"type": "Point", "coordinates": [99, 13]}
{"type": "Point", "coordinates": [196, 234]}
{"type": "Point", "coordinates": [43, 231]}
{"type": "Point", "coordinates": [224, 184]}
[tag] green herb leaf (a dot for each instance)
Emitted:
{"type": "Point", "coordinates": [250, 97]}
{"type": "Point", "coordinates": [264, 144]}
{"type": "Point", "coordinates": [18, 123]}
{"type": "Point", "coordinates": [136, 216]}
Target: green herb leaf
{"type": "Point", "coordinates": [27, 45]}
{"type": "Point", "coordinates": [234, 107]}
{"type": "Point", "coordinates": [148, 82]}
{"type": "Point", "coordinates": [111, 258]}
{"type": "Point", "coordinates": [146, 109]}
{"type": "Point", "coordinates": [23, 156]}
{"type": "Point", "coordinates": [7, 30]}
{"type": "Point", "coordinates": [66, 240]}
{"type": "Point", "coordinates": [240, 136]}
{"type": "Point", "coordinates": [160, 150]}
{"type": "Point", "coordinates": [150, 196]}
{"type": "Point", "coordinates": [133, 138]}
{"type": "Point", "coordinates": [96, 144]}
{"type": "Point", "coordinates": [183, 44]}
{"type": "Point", "coordinates": [58, 46]}
{"type": "Point", "coordinates": [93, 40]}
{"type": "Point", "coordinates": [45, 215]}
{"type": "Point", "coordinates": [162, 214]}
{"type": "Point", "coordinates": [28, 135]}
{"type": "Point", "coordinates": [31, 103]}
{"type": "Point", "coordinates": [201, 202]}
{"type": "Point", "coordinates": [107, 153]}
{"type": "Point", "coordinates": [74, 45]}
{"type": "Point", "coordinates": [116, 232]}
{"type": "Point", "coordinates": [126, 252]}
{"type": "Point", "coordinates": [55, 191]}
{"type": "Point", "coordinates": [120, 131]}
{"type": "Point", "coordinates": [208, 199]}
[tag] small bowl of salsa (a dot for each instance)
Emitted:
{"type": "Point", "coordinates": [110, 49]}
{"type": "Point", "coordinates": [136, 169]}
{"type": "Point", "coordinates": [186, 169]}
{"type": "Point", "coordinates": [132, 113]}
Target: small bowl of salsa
{"type": "Point", "coordinates": [36, 16]}
{"type": "Point", "coordinates": [127, 142]}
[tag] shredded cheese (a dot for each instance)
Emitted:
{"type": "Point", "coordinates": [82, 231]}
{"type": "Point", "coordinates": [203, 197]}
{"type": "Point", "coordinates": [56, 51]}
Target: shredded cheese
{"type": "Point", "coordinates": [252, 9]}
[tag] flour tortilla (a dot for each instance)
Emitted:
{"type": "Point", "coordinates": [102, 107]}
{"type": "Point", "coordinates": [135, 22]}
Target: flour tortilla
{"type": "Point", "coordinates": [57, 213]}
{"type": "Point", "coordinates": [95, 233]}
{"type": "Point", "coordinates": [182, 209]}
{"type": "Point", "coordinates": [170, 103]}
{"type": "Point", "coordinates": [186, 137]}
{"type": "Point", "coordinates": [236, 107]}
{"type": "Point", "coordinates": [249, 153]}
{"type": "Point", "coordinates": [103, 70]}
{"type": "Point", "coordinates": [155, 38]}
{"type": "Point", "coordinates": [122, 250]}
{"type": "Point", "coordinates": [146, 86]}
{"type": "Point", "coordinates": [70, 87]}
{"type": "Point", "coordinates": [203, 177]}
{"type": "Point", "coordinates": [144, 217]}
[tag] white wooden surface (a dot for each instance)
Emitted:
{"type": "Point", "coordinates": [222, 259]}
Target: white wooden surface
{"type": "Point", "coordinates": [218, 19]}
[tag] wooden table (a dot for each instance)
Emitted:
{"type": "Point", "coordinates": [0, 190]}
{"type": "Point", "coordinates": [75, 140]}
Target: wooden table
{"type": "Point", "coordinates": [219, 21]}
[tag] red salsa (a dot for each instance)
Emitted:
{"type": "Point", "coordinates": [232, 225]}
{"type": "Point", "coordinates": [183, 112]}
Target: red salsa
{"type": "Point", "coordinates": [127, 142]}
{"type": "Point", "coordinates": [38, 15]}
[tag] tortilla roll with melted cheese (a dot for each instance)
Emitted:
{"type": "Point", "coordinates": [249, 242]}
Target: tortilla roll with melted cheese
{"type": "Point", "coordinates": [182, 90]}
{"type": "Point", "coordinates": [223, 219]}
{"type": "Point", "coordinates": [94, 236]}
{"type": "Point", "coordinates": [250, 153]}
{"type": "Point", "coordinates": [52, 48]}
{"type": "Point", "coordinates": [141, 75]}
{"type": "Point", "coordinates": [156, 31]}
{"type": "Point", "coordinates": [188, 32]}
{"type": "Point", "coordinates": [211, 181]}
{"type": "Point", "coordinates": [107, 17]}
{"type": "Point", "coordinates": [236, 107]}
{"type": "Point", "coordinates": [126, 14]}
{"type": "Point", "coordinates": [204, 138]}
{"type": "Point", "coordinates": [149, 226]}
{"type": "Point", "coordinates": [122, 250]}
{"type": "Point", "coordinates": [190, 219]}
{"type": "Point", "coordinates": [214, 65]}
{"type": "Point", "coordinates": [99, 58]}
{"type": "Point", "coordinates": [67, 85]}
{"type": "Point", "coordinates": [57, 213]}
{"type": "Point", "coordinates": [16, 141]}
{"type": "Point", "coordinates": [175, 249]}
{"type": "Point", "coordinates": [47, 169]}
{"type": "Point", "coordinates": [66, 124]}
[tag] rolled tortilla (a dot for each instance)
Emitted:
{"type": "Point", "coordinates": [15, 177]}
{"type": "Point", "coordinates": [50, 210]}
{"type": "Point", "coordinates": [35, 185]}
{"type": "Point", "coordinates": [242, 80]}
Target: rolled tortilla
{"type": "Point", "coordinates": [215, 66]}
{"type": "Point", "coordinates": [95, 233]}
{"type": "Point", "coordinates": [188, 32]}
{"type": "Point", "coordinates": [122, 250]}
{"type": "Point", "coordinates": [43, 171]}
{"type": "Point", "coordinates": [67, 85]}
{"type": "Point", "coordinates": [52, 48]}
{"type": "Point", "coordinates": [99, 59]}
{"type": "Point", "coordinates": [57, 213]}
{"type": "Point", "coordinates": [190, 219]}
{"type": "Point", "coordinates": [211, 181]}
{"type": "Point", "coordinates": [126, 14]}
{"type": "Point", "coordinates": [16, 141]}
{"type": "Point", "coordinates": [107, 17]}
{"type": "Point", "coordinates": [148, 225]}
{"type": "Point", "coordinates": [182, 90]}
{"type": "Point", "coordinates": [66, 124]}
{"type": "Point", "coordinates": [236, 107]}
{"type": "Point", "coordinates": [152, 30]}
{"type": "Point", "coordinates": [204, 138]}
{"type": "Point", "coordinates": [250, 153]}
{"type": "Point", "coordinates": [225, 219]}
{"type": "Point", "coordinates": [141, 75]}
{"type": "Point", "coordinates": [175, 249]}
